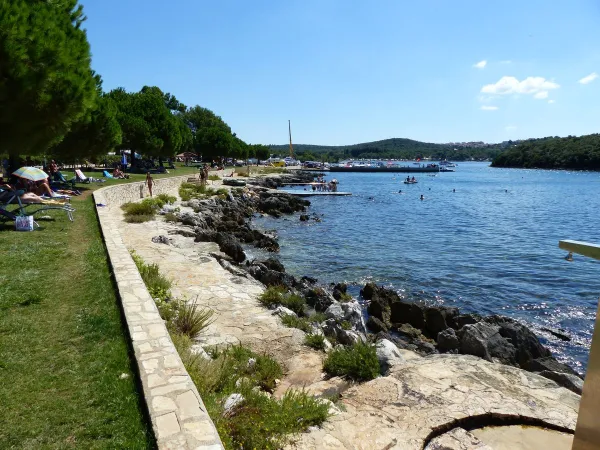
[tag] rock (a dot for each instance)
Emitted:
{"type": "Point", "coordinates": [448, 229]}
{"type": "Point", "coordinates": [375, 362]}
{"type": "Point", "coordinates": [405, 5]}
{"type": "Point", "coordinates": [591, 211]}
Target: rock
{"type": "Point", "coordinates": [457, 439]}
{"type": "Point", "coordinates": [549, 364]}
{"type": "Point", "coordinates": [368, 291]}
{"type": "Point", "coordinates": [484, 340]}
{"type": "Point", "coordinates": [447, 340]}
{"type": "Point", "coordinates": [339, 291]}
{"type": "Point", "coordinates": [376, 325]}
{"type": "Point", "coordinates": [333, 410]}
{"type": "Point", "coordinates": [162, 240]}
{"type": "Point", "coordinates": [335, 311]}
{"type": "Point", "coordinates": [557, 334]}
{"type": "Point", "coordinates": [273, 264]}
{"type": "Point", "coordinates": [251, 363]}
{"type": "Point", "coordinates": [198, 350]}
{"type": "Point", "coordinates": [388, 354]}
{"type": "Point", "coordinates": [283, 311]}
{"type": "Point", "coordinates": [167, 209]}
{"type": "Point", "coordinates": [528, 347]}
{"type": "Point", "coordinates": [353, 313]}
{"type": "Point", "coordinates": [318, 298]}
{"type": "Point", "coordinates": [231, 268]}
{"type": "Point", "coordinates": [410, 332]}
{"type": "Point", "coordinates": [380, 309]}
{"type": "Point", "coordinates": [410, 313]}
{"type": "Point", "coordinates": [231, 402]}
{"type": "Point", "coordinates": [350, 337]}
{"type": "Point", "coordinates": [231, 247]}
{"type": "Point", "coordinates": [438, 318]}
{"type": "Point", "coordinates": [304, 217]}
{"type": "Point", "coordinates": [567, 380]}
{"type": "Point", "coordinates": [466, 319]}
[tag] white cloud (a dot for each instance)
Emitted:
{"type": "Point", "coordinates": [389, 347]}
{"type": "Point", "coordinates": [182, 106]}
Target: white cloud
{"type": "Point", "coordinates": [480, 64]}
{"type": "Point", "coordinates": [591, 77]}
{"type": "Point", "coordinates": [541, 95]}
{"type": "Point", "coordinates": [550, 101]}
{"type": "Point", "coordinates": [530, 85]}
{"type": "Point", "coordinates": [510, 128]}
{"type": "Point", "coordinates": [488, 108]}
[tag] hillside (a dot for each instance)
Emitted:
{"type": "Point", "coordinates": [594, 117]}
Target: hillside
{"type": "Point", "coordinates": [572, 152]}
{"type": "Point", "coordinates": [396, 148]}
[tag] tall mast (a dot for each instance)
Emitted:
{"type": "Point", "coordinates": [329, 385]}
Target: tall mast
{"type": "Point", "coordinates": [291, 148]}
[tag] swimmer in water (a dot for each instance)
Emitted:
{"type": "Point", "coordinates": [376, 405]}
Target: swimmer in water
{"type": "Point", "coordinates": [453, 190]}
{"type": "Point", "coordinates": [422, 197]}
{"type": "Point", "coordinates": [400, 191]}
{"type": "Point", "coordinates": [569, 257]}
{"type": "Point", "coordinates": [505, 190]}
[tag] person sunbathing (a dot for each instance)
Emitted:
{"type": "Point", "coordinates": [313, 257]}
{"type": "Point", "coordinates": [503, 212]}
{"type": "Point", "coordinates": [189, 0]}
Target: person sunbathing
{"type": "Point", "coordinates": [118, 173]}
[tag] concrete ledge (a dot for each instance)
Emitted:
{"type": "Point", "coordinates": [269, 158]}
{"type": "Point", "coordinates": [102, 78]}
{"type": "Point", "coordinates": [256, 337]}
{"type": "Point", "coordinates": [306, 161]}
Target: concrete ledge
{"type": "Point", "coordinates": [178, 415]}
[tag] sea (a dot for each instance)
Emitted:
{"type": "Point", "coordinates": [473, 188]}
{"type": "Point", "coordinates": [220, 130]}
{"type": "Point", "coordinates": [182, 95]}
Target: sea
{"type": "Point", "coordinates": [483, 239]}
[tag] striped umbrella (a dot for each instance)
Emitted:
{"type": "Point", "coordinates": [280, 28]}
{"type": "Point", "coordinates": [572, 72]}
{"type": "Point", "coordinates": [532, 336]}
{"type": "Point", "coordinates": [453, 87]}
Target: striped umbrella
{"type": "Point", "coordinates": [31, 173]}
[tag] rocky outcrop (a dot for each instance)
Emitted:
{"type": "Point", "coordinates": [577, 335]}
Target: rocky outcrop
{"type": "Point", "coordinates": [429, 329]}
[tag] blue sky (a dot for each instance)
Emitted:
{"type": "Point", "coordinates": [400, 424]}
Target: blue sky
{"type": "Point", "coordinates": [347, 71]}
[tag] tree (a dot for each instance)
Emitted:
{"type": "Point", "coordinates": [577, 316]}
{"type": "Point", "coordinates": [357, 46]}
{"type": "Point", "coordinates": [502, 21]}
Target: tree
{"type": "Point", "coordinates": [96, 134]}
{"type": "Point", "coordinates": [260, 151]}
{"type": "Point", "coordinates": [149, 127]}
{"type": "Point", "coordinates": [212, 136]}
{"type": "Point", "coordinates": [46, 83]}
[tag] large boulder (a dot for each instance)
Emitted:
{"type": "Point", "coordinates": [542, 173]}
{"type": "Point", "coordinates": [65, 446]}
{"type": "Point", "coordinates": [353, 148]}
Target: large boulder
{"type": "Point", "coordinates": [231, 247]}
{"type": "Point", "coordinates": [380, 309]}
{"type": "Point", "coordinates": [335, 311]}
{"type": "Point", "coordinates": [353, 313]}
{"type": "Point", "coordinates": [549, 364]}
{"type": "Point", "coordinates": [438, 318]}
{"type": "Point", "coordinates": [528, 347]}
{"type": "Point", "coordinates": [465, 319]}
{"type": "Point", "coordinates": [447, 340]}
{"type": "Point", "coordinates": [376, 325]}
{"type": "Point", "coordinates": [368, 291]}
{"type": "Point", "coordinates": [318, 298]}
{"type": "Point", "coordinates": [484, 340]}
{"type": "Point", "coordinates": [273, 264]}
{"type": "Point", "coordinates": [339, 290]}
{"type": "Point", "coordinates": [405, 312]}
{"type": "Point", "coordinates": [388, 354]}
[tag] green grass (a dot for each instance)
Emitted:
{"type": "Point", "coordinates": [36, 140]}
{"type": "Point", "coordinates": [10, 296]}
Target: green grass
{"type": "Point", "coordinates": [358, 362]}
{"type": "Point", "coordinates": [259, 421]}
{"type": "Point", "coordinates": [278, 295]}
{"type": "Point", "coordinates": [157, 284]}
{"type": "Point", "coordinates": [63, 346]}
{"type": "Point", "coordinates": [316, 341]}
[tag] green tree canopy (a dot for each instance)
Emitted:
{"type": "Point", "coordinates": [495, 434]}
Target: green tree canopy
{"type": "Point", "coordinates": [96, 134]}
{"type": "Point", "coordinates": [46, 83]}
{"type": "Point", "coordinates": [149, 126]}
{"type": "Point", "coordinates": [212, 136]}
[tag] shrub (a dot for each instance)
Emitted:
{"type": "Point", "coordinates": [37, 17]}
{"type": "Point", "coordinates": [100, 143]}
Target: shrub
{"type": "Point", "coordinates": [214, 177]}
{"type": "Point", "coordinates": [345, 297]}
{"type": "Point", "coordinates": [278, 295]}
{"type": "Point", "coordinates": [139, 218]}
{"type": "Point", "coordinates": [345, 325]}
{"type": "Point", "coordinates": [166, 199]}
{"type": "Point", "coordinates": [171, 217]}
{"type": "Point", "coordinates": [316, 341]}
{"type": "Point", "coordinates": [358, 362]}
{"type": "Point", "coordinates": [292, 321]}
{"type": "Point", "coordinates": [318, 317]}
{"type": "Point", "coordinates": [142, 211]}
{"type": "Point", "coordinates": [158, 286]}
{"type": "Point", "coordinates": [190, 320]}
{"type": "Point", "coordinates": [188, 191]}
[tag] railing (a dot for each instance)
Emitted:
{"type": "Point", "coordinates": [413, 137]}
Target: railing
{"type": "Point", "coordinates": [587, 432]}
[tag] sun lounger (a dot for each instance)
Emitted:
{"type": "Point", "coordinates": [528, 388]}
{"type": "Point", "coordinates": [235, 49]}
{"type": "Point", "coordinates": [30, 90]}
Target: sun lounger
{"type": "Point", "coordinates": [81, 177]}
{"type": "Point", "coordinates": [24, 209]}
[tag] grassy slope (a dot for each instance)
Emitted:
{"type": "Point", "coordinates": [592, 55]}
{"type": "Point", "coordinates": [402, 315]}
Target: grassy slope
{"type": "Point", "coordinates": [63, 345]}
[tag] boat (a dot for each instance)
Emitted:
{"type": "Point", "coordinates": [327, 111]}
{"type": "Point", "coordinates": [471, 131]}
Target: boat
{"type": "Point", "coordinates": [446, 163]}
{"type": "Point", "coordinates": [446, 169]}
{"type": "Point", "coordinates": [410, 182]}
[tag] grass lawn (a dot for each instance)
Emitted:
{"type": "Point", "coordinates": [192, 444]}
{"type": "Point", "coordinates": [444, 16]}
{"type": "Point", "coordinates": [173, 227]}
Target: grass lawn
{"type": "Point", "coordinates": [66, 377]}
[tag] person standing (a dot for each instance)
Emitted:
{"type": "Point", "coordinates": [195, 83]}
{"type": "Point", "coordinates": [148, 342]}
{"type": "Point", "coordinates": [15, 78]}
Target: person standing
{"type": "Point", "coordinates": [149, 182]}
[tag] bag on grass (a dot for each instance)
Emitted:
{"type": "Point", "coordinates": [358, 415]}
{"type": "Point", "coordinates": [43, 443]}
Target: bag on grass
{"type": "Point", "coordinates": [24, 223]}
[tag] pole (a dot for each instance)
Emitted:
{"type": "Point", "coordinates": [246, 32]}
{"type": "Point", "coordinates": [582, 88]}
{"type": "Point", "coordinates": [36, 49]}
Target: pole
{"type": "Point", "coordinates": [291, 148]}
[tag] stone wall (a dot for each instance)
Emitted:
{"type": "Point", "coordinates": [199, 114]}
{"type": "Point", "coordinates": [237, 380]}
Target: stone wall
{"type": "Point", "coordinates": [133, 192]}
{"type": "Point", "coordinates": [178, 415]}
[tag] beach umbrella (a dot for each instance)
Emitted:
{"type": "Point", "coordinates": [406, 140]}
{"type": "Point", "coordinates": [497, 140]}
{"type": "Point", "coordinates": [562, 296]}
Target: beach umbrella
{"type": "Point", "coordinates": [31, 173]}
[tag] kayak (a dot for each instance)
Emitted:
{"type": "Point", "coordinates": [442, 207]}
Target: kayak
{"type": "Point", "coordinates": [410, 182]}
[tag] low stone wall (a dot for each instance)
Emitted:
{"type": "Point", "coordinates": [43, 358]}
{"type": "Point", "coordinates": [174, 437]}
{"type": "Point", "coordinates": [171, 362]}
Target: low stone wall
{"type": "Point", "coordinates": [178, 415]}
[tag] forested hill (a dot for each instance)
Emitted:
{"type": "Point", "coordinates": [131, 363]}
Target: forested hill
{"type": "Point", "coordinates": [397, 148]}
{"type": "Point", "coordinates": [580, 153]}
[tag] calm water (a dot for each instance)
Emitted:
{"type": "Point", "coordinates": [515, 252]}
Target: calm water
{"type": "Point", "coordinates": [480, 248]}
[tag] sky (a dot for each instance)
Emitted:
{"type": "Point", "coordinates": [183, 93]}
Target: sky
{"type": "Point", "coordinates": [347, 71]}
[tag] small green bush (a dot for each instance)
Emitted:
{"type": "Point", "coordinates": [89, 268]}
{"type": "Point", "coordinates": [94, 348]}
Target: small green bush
{"type": "Point", "coordinates": [345, 297]}
{"type": "Point", "coordinates": [292, 321]}
{"type": "Point", "coordinates": [316, 341]}
{"type": "Point", "coordinates": [278, 295]}
{"type": "Point", "coordinates": [214, 177]}
{"type": "Point", "coordinates": [318, 317]}
{"type": "Point", "coordinates": [142, 211]}
{"type": "Point", "coordinates": [170, 217]}
{"type": "Point", "coordinates": [358, 362]}
{"type": "Point", "coordinates": [139, 218]}
{"type": "Point", "coordinates": [190, 320]}
{"type": "Point", "coordinates": [158, 286]}
{"type": "Point", "coordinates": [345, 325]}
{"type": "Point", "coordinates": [166, 199]}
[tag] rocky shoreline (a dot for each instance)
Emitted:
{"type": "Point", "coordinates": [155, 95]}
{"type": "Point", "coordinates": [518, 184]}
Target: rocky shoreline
{"type": "Point", "coordinates": [407, 324]}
